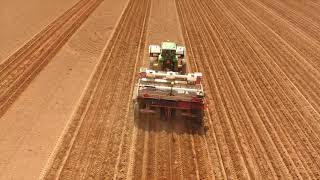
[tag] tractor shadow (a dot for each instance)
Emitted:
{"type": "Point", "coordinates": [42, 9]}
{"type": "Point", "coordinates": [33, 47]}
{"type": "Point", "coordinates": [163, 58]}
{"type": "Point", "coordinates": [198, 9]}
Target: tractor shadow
{"type": "Point", "coordinates": [178, 124]}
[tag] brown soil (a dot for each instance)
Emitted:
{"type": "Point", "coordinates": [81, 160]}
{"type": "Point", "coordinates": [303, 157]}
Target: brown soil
{"type": "Point", "coordinates": [20, 21]}
{"type": "Point", "coordinates": [30, 128]}
{"type": "Point", "coordinates": [261, 71]}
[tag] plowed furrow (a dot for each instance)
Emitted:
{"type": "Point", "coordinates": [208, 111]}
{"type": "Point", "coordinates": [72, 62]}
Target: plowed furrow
{"type": "Point", "coordinates": [246, 59]}
{"type": "Point", "coordinates": [23, 66]}
{"type": "Point", "coordinates": [145, 150]}
{"type": "Point", "coordinates": [213, 146]}
{"type": "Point", "coordinates": [98, 135]}
{"type": "Point", "coordinates": [39, 38]}
{"type": "Point", "coordinates": [276, 86]}
{"type": "Point", "coordinates": [261, 79]}
{"type": "Point", "coordinates": [225, 167]}
{"type": "Point", "coordinates": [262, 110]}
{"type": "Point", "coordinates": [200, 151]}
{"type": "Point", "coordinates": [303, 8]}
{"type": "Point", "coordinates": [309, 24]}
{"type": "Point", "coordinates": [224, 123]}
{"type": "Point", "coordinates": [299, 61]}
{"type": "Point", "coordinates": [162, 170]}
{"type": "Point", "coordinates": [237, 126]}
{"type": "Point", "coordinates": [314, 127]}
{"type": "Point", "coordinates": [177, 163]}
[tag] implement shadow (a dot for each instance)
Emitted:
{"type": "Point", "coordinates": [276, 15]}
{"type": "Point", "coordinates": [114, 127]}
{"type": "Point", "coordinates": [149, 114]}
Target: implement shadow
{"type": "Point", "coordinates": [178, 124]}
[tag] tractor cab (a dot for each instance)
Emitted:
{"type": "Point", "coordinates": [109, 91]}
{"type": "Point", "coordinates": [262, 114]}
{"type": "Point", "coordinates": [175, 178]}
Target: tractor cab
{"type": "Point", "coordinates": [167, 57]}
{"type": "Point", "coordinates": [168, 50]}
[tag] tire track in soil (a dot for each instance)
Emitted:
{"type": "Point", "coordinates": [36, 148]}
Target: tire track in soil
{"type": "Point", "coordinates": [90, 148]}
{"type": "Point", "coordinates": [17, 72]}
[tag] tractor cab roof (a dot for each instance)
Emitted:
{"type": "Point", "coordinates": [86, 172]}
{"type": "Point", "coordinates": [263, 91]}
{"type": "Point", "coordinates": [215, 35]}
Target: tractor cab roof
{"type": "Point", "coordinates": [168, 45]}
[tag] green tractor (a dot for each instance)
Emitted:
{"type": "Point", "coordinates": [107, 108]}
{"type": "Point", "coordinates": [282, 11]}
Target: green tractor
{"type": "Point", "coordinates": [167, 57]}
{"type": "Point", "coordinates": [166, 88]}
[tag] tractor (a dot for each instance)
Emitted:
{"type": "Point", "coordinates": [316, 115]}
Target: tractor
{"type": "Point", "coordinates": [167, 57]}
{"type": "Point", "coordinates": [166, 87]}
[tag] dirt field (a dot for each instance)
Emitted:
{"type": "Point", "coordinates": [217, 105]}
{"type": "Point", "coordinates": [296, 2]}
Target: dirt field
{"type": "Point", "coordinates": [66, 95]}
{"type": "Point", "coordinates": [21, 21]}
